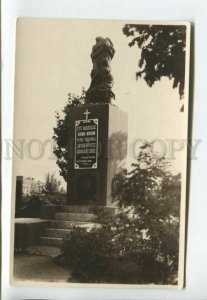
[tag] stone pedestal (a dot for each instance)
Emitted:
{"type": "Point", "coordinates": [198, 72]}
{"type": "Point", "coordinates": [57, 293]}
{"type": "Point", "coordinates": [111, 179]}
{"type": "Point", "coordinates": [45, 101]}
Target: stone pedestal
{"type": "Point", "coordinates": [98, 151]}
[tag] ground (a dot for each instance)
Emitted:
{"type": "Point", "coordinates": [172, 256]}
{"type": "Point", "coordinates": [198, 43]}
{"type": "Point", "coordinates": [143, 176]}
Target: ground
{"type": "Point", "coordinates": [37, 267]}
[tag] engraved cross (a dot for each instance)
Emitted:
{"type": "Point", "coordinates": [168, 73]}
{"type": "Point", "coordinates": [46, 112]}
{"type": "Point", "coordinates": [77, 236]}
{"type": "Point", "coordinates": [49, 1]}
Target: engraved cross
{"type": "Point", "coordinates": [86, 113]}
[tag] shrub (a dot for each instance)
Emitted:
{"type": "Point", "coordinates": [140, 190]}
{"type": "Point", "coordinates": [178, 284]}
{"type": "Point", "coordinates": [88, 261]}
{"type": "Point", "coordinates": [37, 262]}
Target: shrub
{"type": "Point", "coordinates": [116, 252]}
{"type": "Point", "coordinates": [143, 249]}
{"type": "Point", "coordinates": [31, 207]}
{"type": "Point", "coordinates": [54, 199]}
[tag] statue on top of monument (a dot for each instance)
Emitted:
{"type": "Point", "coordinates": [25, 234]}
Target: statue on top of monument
{"type": "Point", "coordinates": [100, 90]}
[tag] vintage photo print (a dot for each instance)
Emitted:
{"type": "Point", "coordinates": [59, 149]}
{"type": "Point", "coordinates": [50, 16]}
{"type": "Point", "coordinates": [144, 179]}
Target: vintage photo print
{"type": "Point", "coordinates": [99, 153]}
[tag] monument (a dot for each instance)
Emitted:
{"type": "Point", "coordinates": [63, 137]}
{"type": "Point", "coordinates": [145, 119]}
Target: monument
{"type": "Point", "coordinates": [98, 135]}
{"type": "Point", "coordinates": [97, 144]}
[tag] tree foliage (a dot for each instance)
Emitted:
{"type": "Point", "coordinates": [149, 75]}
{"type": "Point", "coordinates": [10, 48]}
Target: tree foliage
{"type": "Point", "coordinates": [114, 253]}
{"type": "Point", "coordinates": [61, 133]}
{"type": "Point", "coordinates": [154, 193]}
{"type": "Point", "coordinates": [162, 52]}
{"type": "Point", "coordinates": [149, 182]}
{"type": "Point", "coordinates": [52, 184]}
{"type": "Point", "coordinates": [140, 249]}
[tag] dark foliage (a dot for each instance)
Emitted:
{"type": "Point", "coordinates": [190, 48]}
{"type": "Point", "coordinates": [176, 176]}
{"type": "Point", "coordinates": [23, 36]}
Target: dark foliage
{"type": "Point", "coordinates": [140, 249]}
{"type": "Point", "coordinates": [163, 52]}
{"type": "Point", "coordinates": [52, 184]}
{"type": "Point", "coordinates": [31, 207]}
{"type": "Point", "coordinates": [149, 182]}
{"type": "Point", "coordinates": [61, 133]}
{"type": "Point", "coordinates": [51, 194]}
{"type": "Point", "coordinates": [114, 253]}
{"type": "Point", "coordinates": [154, 193]}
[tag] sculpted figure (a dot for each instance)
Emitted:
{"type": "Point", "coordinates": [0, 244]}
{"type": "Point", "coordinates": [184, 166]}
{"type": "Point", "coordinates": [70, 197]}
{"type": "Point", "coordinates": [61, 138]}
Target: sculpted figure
{"type": "Point", "coordinates": [100, 90]}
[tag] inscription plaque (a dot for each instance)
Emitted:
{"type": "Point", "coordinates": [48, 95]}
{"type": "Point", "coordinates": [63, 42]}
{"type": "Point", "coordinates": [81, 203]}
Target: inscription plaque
{"type": "Point", "coordinates": [86, 144]}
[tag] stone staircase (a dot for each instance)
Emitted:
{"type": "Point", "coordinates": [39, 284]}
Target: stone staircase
{"type": "Point", "coordinates": [70, 216]}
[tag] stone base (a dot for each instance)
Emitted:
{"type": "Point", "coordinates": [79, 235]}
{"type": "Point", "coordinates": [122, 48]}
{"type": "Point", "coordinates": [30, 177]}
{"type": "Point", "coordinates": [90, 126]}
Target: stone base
{"type": "Point", "coordinates": [92, 186]}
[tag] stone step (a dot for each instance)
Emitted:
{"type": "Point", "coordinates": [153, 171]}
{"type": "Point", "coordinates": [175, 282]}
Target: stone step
{"type": "Point", "coordinates": [74, 217]}
{"type": "Point", "coordinates": [69, 224]}
{"type": "Point", "coordinates": [51, 241]}
{"type": "Point", "coordinates": [89, 209]}
{"type": "Point", "coordinates": [57, 232]}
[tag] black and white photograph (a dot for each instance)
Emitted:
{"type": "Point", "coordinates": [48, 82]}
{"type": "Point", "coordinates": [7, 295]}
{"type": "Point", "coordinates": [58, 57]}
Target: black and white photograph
{"type": "Point", "coordinates": [99, 151]}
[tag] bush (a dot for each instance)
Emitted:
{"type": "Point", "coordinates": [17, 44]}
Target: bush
{"type": "Point", "coordinates": [143, 249]}
{"type": "Point", "coordinates": [30, 208]}
{"type": "Point", "coordinates": [54, 199]}
{"type": "Point", "coordinates": [116, 252]}
{"type": "Point", "coordinates": [33, 203]}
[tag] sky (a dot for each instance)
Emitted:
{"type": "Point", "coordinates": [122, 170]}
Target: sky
{"type": "Point", "coordinates": [53, 59]}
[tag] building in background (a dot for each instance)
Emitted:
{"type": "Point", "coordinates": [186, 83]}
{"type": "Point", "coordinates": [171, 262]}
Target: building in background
{"type": "Point", "coordinates": [31, 186]}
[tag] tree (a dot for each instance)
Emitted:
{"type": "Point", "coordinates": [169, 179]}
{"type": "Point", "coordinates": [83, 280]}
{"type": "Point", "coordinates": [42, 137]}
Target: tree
{"type": "Point", "coordinates": [52, 184]}
{"type": "Point", "coordinates": [61, 133]}
{"type": "Point", "coordinates": [140, 249]}
{"type": "Point", "coordinates": [149, 180]}
{"type": "Point", "coordinates": [162, 52]}
{"type": "Point", "coordinates": [154, 192]}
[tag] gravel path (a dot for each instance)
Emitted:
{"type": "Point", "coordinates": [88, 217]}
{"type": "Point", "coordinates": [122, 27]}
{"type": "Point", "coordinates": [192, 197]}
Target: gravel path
{"type": "Point", "coordinates": [39, 268]}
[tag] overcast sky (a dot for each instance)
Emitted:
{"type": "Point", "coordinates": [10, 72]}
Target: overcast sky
{"type": "Point", "coordinates": [53, 59]}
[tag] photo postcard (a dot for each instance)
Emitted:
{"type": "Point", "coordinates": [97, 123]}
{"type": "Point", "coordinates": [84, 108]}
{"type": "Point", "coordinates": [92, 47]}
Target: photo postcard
{"type": "Point", "coordinates": [100, 153]}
